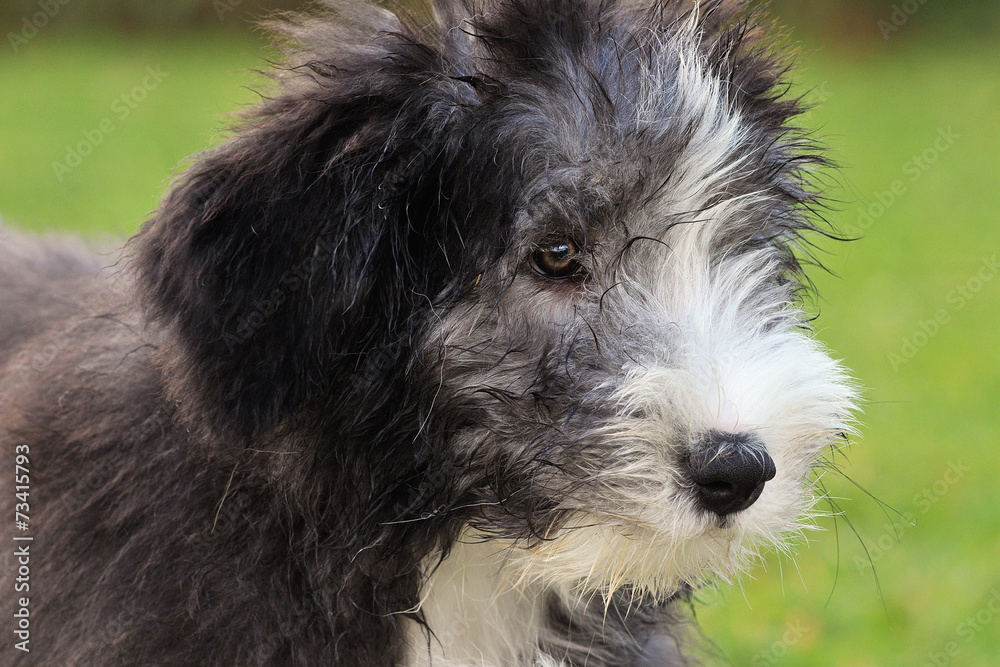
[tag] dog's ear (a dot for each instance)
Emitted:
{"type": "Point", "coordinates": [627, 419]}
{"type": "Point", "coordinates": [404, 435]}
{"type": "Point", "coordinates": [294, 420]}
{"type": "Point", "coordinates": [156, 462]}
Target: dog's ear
{"type": "Point", "coordinates": [285, 256]}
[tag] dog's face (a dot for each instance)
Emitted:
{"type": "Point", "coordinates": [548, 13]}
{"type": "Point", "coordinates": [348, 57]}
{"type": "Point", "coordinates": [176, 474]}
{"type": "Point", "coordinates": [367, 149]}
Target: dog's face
{"type": "Point", "coordinates": [644, 400]}
{"type": "Point", "coordinates": [574, 226]}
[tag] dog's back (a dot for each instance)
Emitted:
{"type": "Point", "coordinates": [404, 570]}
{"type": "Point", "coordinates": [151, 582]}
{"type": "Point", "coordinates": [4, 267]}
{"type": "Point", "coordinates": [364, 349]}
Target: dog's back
{"type": "Point", "coordinates": [138, 538]}
{"type": "Point", "coordinates": [75, 390]}
{"type": "Point", "coordinates": [42, 284]}
{"type": "Point", "coordinates": [118, 509]}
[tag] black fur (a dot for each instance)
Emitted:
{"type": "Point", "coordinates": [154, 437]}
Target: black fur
{"type": "Point", "coordinates": [239, 448]}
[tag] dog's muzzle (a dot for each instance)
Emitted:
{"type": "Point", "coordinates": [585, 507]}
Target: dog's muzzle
{"type": "Point", "coordinates": [729, 471]}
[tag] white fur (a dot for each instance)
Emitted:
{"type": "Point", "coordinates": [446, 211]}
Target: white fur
{"type": "Point", "coordinates": [480, 617]}
{"type": "Point", "coordinates": [734, 358]}
{"type": "Point", "coordinates": [726, 352]}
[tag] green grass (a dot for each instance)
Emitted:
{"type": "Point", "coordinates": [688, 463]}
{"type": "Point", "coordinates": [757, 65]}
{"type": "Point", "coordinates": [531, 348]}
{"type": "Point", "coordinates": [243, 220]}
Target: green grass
{"type": "Point", "coordinates": [940, 407]}
{"type": "Point", "coordinates": [61, 86]}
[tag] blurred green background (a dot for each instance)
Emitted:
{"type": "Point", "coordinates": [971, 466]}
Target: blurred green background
{"type": "Point", "coordinates": [908, 99]}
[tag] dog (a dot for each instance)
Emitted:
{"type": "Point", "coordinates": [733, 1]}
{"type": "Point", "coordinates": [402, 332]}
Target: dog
{"type": "Point", "coordinates": [479, 342]}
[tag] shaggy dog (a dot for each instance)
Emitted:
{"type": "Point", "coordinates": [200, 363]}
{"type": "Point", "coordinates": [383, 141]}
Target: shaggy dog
{"type": "Point", "coordinates": [477, 344]}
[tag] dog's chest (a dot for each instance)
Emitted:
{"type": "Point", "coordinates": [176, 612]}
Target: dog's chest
{"type": "Point", "coordinates": [477, 616]}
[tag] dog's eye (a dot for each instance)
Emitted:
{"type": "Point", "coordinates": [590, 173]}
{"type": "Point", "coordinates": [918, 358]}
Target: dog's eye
{"type": "Point", "coordinates": [557, 260]}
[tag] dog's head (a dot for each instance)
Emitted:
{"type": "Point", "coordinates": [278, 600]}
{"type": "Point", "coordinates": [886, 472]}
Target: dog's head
{"type": "Point", "coordinates": [530, 270]}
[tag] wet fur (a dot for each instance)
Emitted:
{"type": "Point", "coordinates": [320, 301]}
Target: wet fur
{"type": "Point", "coordinates": [325, 365]}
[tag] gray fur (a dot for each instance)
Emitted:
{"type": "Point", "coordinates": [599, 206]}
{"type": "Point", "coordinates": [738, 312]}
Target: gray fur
{"type": "Point", "coordinates": [340, 382]}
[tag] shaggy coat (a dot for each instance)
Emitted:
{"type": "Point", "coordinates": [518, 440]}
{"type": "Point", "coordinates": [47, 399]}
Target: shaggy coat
{"type": "Point", "coordinates": [415, 367]}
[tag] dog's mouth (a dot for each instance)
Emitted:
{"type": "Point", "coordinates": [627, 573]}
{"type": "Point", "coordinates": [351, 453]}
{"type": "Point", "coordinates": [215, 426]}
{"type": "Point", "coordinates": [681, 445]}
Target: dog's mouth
{"type": "Point", "coordinates": [655, 537]}
{"type": "Point", "coordinates": [655, 561]}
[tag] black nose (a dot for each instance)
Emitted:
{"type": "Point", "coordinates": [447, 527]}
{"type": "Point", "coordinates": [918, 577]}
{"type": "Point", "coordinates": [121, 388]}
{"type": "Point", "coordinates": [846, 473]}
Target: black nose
{"type": "Point", "coordinates": [729, 471]}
